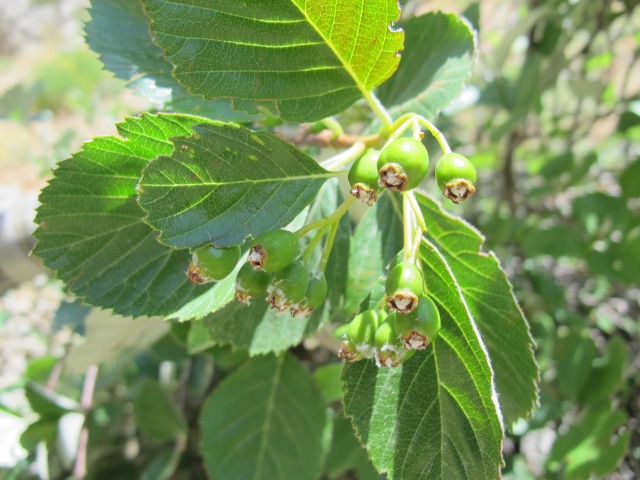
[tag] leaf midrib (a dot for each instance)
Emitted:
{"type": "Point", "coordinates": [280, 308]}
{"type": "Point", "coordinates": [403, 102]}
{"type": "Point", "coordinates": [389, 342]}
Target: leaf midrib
{"type": "Point", "coordinates": [242, 182]}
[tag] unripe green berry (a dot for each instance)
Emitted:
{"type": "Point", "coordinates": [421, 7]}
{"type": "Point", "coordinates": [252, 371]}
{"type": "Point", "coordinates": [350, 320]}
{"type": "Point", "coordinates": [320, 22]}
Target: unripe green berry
{"type": "Point", "coordinates": [272, 251]}
{"type": "Point", "coordinates": [403, 164]}
{"type": "Point", "coordinates": [363, 178]}
{"type": "Point", "coordinates": [288, 286]}
{"type": "Point", "coordinates": [419, 329]}
{"type": "Point", "coordinates": [360, 336]}
{"type": "Point", "coordinates": [250, 283]}
{"type": "Point", "coordinates": [390, 351]}
{"type": "Point", "coordinates": [211, 264]}
{"type": "Point", "coordinates": [316, 293]}
{"type": "Point", "coordinates": [403, 287]}
{"type": "Point", "coordinates": [456, 176]}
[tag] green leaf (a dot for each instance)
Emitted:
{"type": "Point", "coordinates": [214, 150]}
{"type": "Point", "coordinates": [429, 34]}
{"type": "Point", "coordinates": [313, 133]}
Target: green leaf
{"type": "Point", "coordinates": [327, 378]}
{"type": "Point", "coordinates": [264, 421]}
{"type": "Point", "coordinates": [374, 245]}
{"type": "Point", "coordinates": [225, 183]}
{"type": "Point", "coordinates": [157, 414]}
{"type": "Point", "coordinates": [119, 32]}
{"type": "Point", "coordinates": [47, 403]}
{"type": "Point", "coordinates": [306, 60]}
{"type": "Point", "coordinates": [607, 373]}
{"type": "Point", "coordinates": [437, 59]}
{"type": "Point", "coordinates": [91, 230]}
{"type": "Point", "coordinates": [346, 453]}
{"type": "Point", "coordinates": [256, 327]}
{"type": "Point", "coordinates": [573, 356]}
{"type": "Point", "coordinates": [493, 307]}
{"type": "Point", "coordinates": [592, 446]}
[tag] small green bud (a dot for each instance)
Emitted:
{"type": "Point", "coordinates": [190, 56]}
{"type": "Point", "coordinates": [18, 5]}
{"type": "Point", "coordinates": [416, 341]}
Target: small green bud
{"type": "Point", "coordinates": [456, 176]}
{"type": "Point", "coordinates": [250, 283]}
{"type": "Point", "coordinates": [211, 264]}
{"type": "Point", "coordinates": [288, 286]}
{"type": "Point", "coordinates": [403, 164]}
{"type": "Point", "coordinates": [316, 293]}
{"type": "Point", "coordinates": [363, 178]}
{"type": "Point", "coordinates": [390, 351]}
{"type": "Point", "coordinates": [403, 287]}
{"type": "Point", "coordinates": [360, 336]}
{"type": "Point", "coordinates": [419, 329]}
{"type": "Point", "coordinates": [272, 251]}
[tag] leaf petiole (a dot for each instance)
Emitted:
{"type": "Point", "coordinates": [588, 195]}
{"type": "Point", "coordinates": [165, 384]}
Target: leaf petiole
{"type": "Point", "coordinates": [333, 218]}
{"type": "Point", "coordinates": [444, 146]}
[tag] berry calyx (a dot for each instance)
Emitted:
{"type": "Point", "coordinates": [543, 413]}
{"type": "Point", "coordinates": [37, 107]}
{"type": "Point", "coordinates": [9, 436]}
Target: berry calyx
{"type": "Point", "coordinates": [288, 286]}
{"type": "Point", "coordinates": [363, 178]}
{"type": "Point", "coordinates": [272, 251]}
{"type": "Point", "coordinates": [250, 283]}
{"type": "Point", "coordinates": [419, 329]}
{"type": "Point", "coordinates": [403, 287]}
{"type": "Point", "coordinates": [316, 293]}
{"type": "Point", "coordinates": [403, 164]}
{"type": "Point", "coordinates": [360, 336]}
{"type": "Point", "coordinates": [456, 176]}
{"type": "Point", "coordinates": [390, 351]}
{"type": "Point", "coordinates": [211, 264]}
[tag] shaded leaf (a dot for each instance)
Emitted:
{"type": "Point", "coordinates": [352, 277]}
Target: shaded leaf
{"type": "Point", "coordinates": [307, 60]}
{"type": "Point", "coordinates": [119, 31]}
{"type": "Point", "coordinates": [91, 231]}
{"type": "Point", "coordinates": [437, 59]}
{"type": "Point", "coordinates": [592, 446]}
{"type": "Point", "coordinates": [157, 414]}
{"type": "Point", "coordinates": [606, 374]}
{"type": "Point", "coordinates": [225, 183]}
{"type": "Point", "coordinates": [257, 328]}
{"type": "Point", "coordinates": [264, 421]}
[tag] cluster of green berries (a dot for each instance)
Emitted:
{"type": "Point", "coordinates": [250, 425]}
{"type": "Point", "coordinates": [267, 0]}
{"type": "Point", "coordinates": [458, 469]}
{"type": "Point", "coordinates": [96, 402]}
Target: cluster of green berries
{"type": "Point", "coordinates": [273, 270]}
{"type": "Point", "coordinates": [408, 321]}
{"type": "Point", "coordinates": [402, 165]}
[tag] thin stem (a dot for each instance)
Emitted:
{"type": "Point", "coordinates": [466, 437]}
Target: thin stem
{"type": "Point", "coordinates": [86, 399]}
{"type": "Point", "coordinates": [397, 133]}
{"type": "Point", "coordinates": [308, 251]}
{"type": "Point", "coordinates": [444, 146]}
{"type": "Point", "coordinates": [407, 224]}
{"type": "Point", "coordinates": [383, 115]}
{"type": "Point", "coordinates": [344, 157]}
{"type": "Point", "coordinates": [416, 211]}
{"type": "Point", "coordinates": [333, 125]}
{"type": "Point", "coordinates": [415, 248]}
{"type": "Point", "coordinates": [328, 246]}
{"type": "Point", "coordinates": [344, 206]}
{"type": "Point", "coordinates": [399, 121]}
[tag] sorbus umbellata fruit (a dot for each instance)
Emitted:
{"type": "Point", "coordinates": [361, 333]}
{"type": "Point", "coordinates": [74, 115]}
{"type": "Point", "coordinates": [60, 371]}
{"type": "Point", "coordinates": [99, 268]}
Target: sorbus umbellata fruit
{"type": "Point", "coordinates": [403, 164]}
{"type": "Point", "coordinates": [456, 176]}
{"type": "Point", "coordinates": [288, 286]}
{"type": "Point", "coordinates": [418, 329]}
{"type": "Point", "coordinates": [363, 178]}
{"type": "Point", "coordinates": [250, 283]}
{"type": "Point", "coordinates": [403, 287]}
{"type": "Point", "coordinates": [211, 264]}
{"type": "Point", "coordinates": [273, 250]}
{"type": "Point", "coordinates": [360, 336]}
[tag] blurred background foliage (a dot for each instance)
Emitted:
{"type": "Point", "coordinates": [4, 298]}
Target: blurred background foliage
{"type": "Point", "coordinates": [551, 119]}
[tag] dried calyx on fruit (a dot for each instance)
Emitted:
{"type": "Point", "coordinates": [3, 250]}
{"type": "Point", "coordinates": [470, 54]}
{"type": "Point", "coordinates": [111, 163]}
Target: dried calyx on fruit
{"type": "Point", "coordinates": [363, 178]}
{"type": "Point", "coordinates": [250, 283]}
{"type": "Point", "coordinates": [212, 264]}
{"type": "Point", "coordinates": [390, 351]}
{"type": "Point", "coordinates": [456, 176]}
{"type": "Point", "coordinates": [272, 251]}
{"type": "Point", "coordinates": [288, 286]}
{"type": "Point", "coordinates": [358, 341]}
{"type": "Point", "coordinates": [419, 329]}
{"type": "Point", "coordinates": [403, 287]}
{"type": "Point", "coordinates": [316, 293]}
{"type": "Point", "coordinates": [403, 164]}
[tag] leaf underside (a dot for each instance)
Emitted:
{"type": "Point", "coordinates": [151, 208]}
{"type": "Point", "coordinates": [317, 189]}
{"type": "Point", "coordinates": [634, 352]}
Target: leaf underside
{"type": "Point", "coordinates": [303, 60]}
{"type": "Point", "coordinates": [91, 231]}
